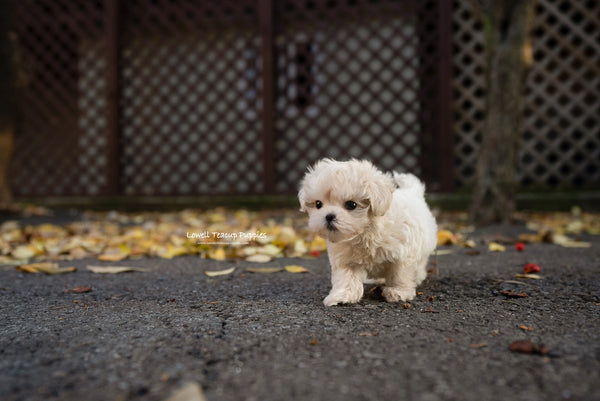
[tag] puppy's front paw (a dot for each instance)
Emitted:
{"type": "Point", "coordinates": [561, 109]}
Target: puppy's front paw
{"type": "Point", "coordinates": [395, 294]}
{"type": "Point", "coordinates": [335, 298]}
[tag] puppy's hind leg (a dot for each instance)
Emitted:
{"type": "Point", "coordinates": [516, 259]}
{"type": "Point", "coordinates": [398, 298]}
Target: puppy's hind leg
{"type": "Point", "coordinates": [347, 286]}
{"type": "Point", "coordinates": [401, 283]}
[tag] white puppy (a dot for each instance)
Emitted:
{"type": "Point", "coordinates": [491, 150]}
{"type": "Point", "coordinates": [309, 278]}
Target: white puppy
{"type": "Point", "coordinates": [376, 226]}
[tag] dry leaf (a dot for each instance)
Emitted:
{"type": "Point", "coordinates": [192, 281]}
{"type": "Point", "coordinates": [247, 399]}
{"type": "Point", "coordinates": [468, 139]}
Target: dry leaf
{"type": "Point", "coordinates": [527, 347]}
{"type": "Point", "coordinates": [526, 328]}
{"type": "Point", "coordinates": [264, 269]}
{"type": "Point", "coordinates": [189, 392]}
{"type": "Point", "coordinates": [480, 345]}
{"type": "Point", "coordinates": [373, 334]}
{"type": "Point", "coordinates": [531, 276]}
{"type": "Point", "coordinates": [318, 244]}
{"type": "Point", "coordinates": [219, 272]}
{"type": "Point", "coordinates": [218, 254]}
{"type": "Point", "coordinates": [445, 237]}
{"type": "Point", "coordinates": [47, 268]}
{"type": "Point", "coordinates": [79, 290]}
{"type": "Point", "coordinates": [258, 258]}
{"type": "Point", "coordinates": [441, 252]}
{"type": "Point", "coordinates": [512, 294]}
{"type": "Point", "coordinates": [296, 269]}
{"type": "Point", "coordinates": [496, 247]}
{"type": "Point", "coordinates": [115, 269]}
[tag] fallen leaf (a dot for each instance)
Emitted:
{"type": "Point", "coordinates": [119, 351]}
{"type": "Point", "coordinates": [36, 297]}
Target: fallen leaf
{"type": "Point", "coordinates": [530, 238]}
{"type": "Point", "coordinates": [189, 392]}
{"type": "Point", "coordinates": [473, 252]}
{"type": "Point", "coordinates": [313, 342]}
{"type": "Point", "coordinates": [264, 269]}
{"type": "Point", "coordinates": [531, 276]}
{"type": "Point", "coordinates": [79, 290]}
{"type": "Point", "coordinates": [445, 237]}
{"type": "Point", "coordinates": [567, 242]}
{"type": "Point", "coordinates": [480, 345]}
{"type": "Point", "coordinates": [512, 294]}
{"type": "Point", "coordinates": [218, 254]}
{"type": "Point", "coordinates": [441, 252]}
{"type": "Point", "coordinates": [318, 244]}
{"type": "Point", "coordinates": [296, 269]}
{"type": "Point", "coordinates": [429, 310]}
{"type": "Point", "coordinates": [373, 334]}
{"type": "Point", "coordinates": [258, 258]}
{"type": "Point", "coordinates": [527, 347]}
{"type": "Point", "coordinates": [24, 252]}
{"type": "Point", "coordinates": [496, 247]}
{"type": "Point", "coordinates": [469, 244]}
{"type": "Point", "coordinates": [46, 268]}
{"type": "Point", "coordinates": [531, 268]}
{"type": "Point", "coordinates": [526, 328]}
{"type": "Point", "coordinates": [215, 273]}
{"type": "Point", "coordinates": [115, 269]}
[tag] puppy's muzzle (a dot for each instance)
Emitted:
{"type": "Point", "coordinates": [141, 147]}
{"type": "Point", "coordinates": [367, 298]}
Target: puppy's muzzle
{"type": "Point", "coordinates": [330, 218]}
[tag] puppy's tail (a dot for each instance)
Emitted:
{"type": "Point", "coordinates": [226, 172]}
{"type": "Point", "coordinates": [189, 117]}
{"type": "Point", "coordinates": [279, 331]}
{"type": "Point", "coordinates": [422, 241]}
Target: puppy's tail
{"type": "Point", "coordinates": [409, 182]}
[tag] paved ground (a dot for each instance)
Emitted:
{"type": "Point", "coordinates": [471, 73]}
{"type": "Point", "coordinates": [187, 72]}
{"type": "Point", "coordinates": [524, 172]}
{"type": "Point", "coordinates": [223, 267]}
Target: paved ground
{"type": "Point", "coordinates": [245, 336]}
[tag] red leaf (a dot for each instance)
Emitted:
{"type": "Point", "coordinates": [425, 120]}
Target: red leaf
{"type": "Point", "coordinates": [531, 268]}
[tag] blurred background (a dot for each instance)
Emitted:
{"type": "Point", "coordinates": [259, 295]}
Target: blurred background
{"type": "Point", "coordinates": [175, 98]}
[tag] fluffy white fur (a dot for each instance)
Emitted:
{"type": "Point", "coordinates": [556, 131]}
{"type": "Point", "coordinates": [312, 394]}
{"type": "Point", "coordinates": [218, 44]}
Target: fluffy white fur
{"type": "Point", "coordinates": [388, 235]}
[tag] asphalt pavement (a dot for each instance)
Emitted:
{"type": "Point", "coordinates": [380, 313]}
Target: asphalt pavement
{"type": "Point", "coordinates": [256, 336]}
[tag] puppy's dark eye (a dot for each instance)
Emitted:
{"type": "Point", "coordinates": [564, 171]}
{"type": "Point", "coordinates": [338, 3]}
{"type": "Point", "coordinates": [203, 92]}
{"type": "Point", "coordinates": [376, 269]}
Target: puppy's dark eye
{"type": "Point", "coordinates": [318, 204]}
{"type": "Point", "coordinates": [350, 205]}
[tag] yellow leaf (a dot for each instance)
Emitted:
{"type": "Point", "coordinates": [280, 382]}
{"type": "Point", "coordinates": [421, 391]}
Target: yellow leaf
{"type": "Point", "coordinates": [112, 257]}
{"type": "Point", "coordinates": [318, 244]}
{"type": "Point", "coordinates": [496, 247]}
{"type": "Point", "coordinates": [445, 237]}
{"type": "Point", "coordinates": [567, 242]}
{"type": "Point", "coordinates": [219, 272]}
{"type": "Point", "coordinates": [115, 269]}
{"type": "Point", "coordinates": [47, 268]}
{"type": "Point", "coordinates": [295, 269]}
{"type": "Point", "coordinates": [300, 247]}
{"type": "Point", "coordinates": [469, 244]}
{"type": "Point", "coordinates": [113, 254]}
{"type": "Point", "coordinates": [530, 238]}
{"type": "Point", "coordinates": [528, 275]}
{"type": "Point", "coordinates": [270, 250]}
{"type": "Point", "coordinates": [264, 269]}
{"type": "Point", "coordinates": [218, 254]}
{"type": "Point", "coordinates": [442, 252]}
{"type": "Point", "coordinates": [23, 252]}
{"type": "Point", "coordinates": [258, 258]}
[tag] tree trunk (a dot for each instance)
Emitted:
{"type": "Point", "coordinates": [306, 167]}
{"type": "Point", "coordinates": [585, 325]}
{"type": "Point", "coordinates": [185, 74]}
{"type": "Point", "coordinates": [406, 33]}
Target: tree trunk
{"type": "Point", "coordinates": [6, 102]}
{"type": "Point", "coordinates": [507, 28]}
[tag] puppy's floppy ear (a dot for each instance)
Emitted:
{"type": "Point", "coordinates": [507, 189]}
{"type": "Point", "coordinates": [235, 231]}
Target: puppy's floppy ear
{"type": "Point", "coordinates": [302, 198]}
{"type": "Point", "coordinates": [381, 189]}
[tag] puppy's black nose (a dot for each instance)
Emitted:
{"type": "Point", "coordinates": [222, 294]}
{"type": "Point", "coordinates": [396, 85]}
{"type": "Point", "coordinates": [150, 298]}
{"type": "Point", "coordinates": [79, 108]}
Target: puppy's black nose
{"type": "Point", "coordinates": [330, 217]}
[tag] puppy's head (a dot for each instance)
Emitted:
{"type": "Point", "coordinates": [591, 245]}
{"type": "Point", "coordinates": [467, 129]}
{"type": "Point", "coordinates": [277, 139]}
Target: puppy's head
{"type": "Point", "coordinates": [341, 198]}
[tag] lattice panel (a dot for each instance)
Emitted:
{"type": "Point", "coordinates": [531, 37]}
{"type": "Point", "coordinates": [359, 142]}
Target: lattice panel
{"type": "Point", "coordinates": [348, 85]}
{"type": "Point", "coordinates": [60, 145]}
{"type": "Point", "coordinates": [191, 98]}
{"type": "Point", "coordinates": [561, 138]}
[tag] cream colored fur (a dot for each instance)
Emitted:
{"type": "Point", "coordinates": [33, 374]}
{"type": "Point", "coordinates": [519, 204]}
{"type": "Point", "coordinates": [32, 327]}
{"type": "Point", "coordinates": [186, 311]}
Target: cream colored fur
{"type": "Point", "coordinates": [389, 235]}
